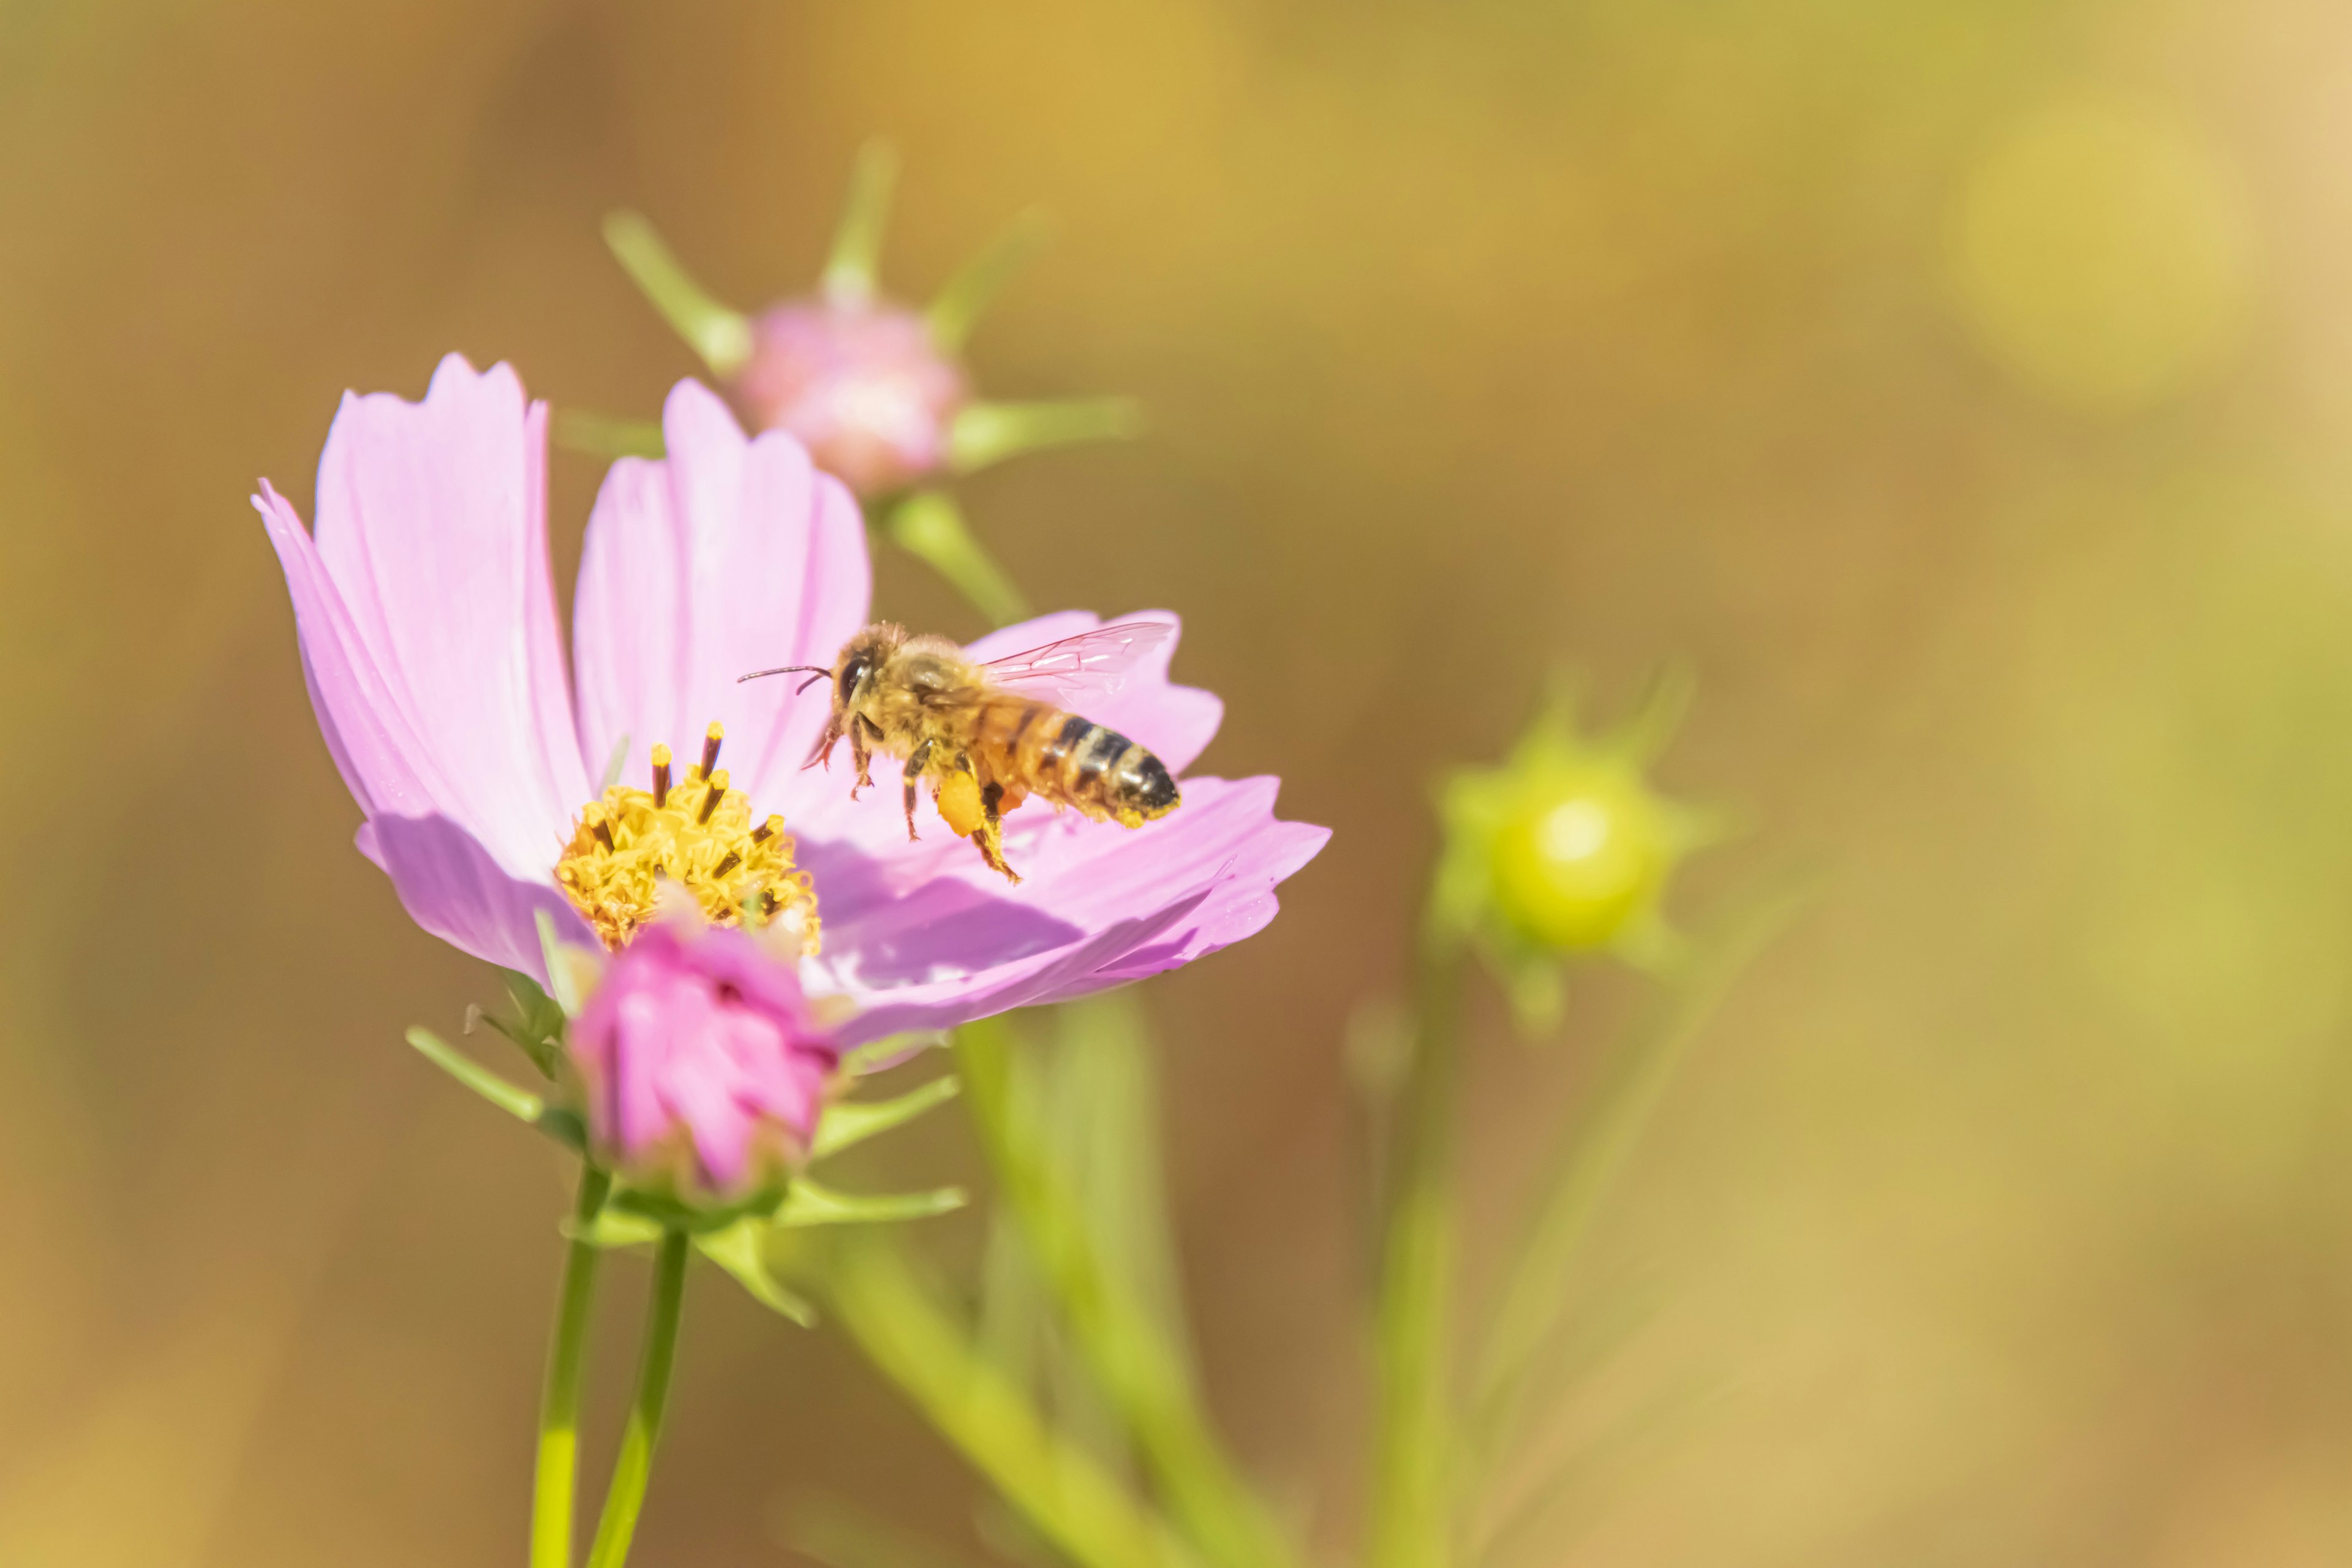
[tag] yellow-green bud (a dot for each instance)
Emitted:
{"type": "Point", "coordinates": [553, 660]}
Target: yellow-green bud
{"type": "Point", "coordinates": [1581, 853]}
{"type": "Point", "coordinates": [1565, 849]}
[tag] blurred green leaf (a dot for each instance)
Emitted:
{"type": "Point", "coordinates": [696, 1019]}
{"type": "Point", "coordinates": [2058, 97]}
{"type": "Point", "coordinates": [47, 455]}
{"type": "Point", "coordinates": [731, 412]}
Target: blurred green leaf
{"type": "Point", "coordinates": [838, 1535]}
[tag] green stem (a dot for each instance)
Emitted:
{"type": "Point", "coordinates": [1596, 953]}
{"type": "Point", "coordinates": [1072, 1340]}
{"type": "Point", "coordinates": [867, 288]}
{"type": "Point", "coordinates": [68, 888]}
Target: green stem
{"type": "Point", "coordinates": [1411, 1525]}
{"type": "Point", "coordinates": [1124, 1348]}
{"type": "Point", "coordinates": [914, 1341]}
{"type": "Point", "coordinates": [559, 1409]}
{"type": "Point", "coordinates": [1535, 1295]}
{"type": "Point", "coordinates": [626, 1498]}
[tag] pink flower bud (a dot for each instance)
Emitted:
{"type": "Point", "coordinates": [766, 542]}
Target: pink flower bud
{"type": "Point", "coordinates": [703, 1067]}
{"type": "Point", "coordinates": [863, 386]}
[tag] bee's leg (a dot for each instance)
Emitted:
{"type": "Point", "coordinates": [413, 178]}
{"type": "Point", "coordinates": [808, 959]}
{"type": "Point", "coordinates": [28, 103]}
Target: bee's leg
{"type": "Point", "coordinates": [990, 834]}
{"type": "Point", "coordinates": [860, 755]}
{"type": "Point", "coordinates": [917, 761]}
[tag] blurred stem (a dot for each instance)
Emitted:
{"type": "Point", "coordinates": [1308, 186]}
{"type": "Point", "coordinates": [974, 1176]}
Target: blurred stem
{"type": "Point", "coordinates": [1124, 1349]}
{"type": "Point", "coordinates": [626, 1498]}
{"type": "Point", "coordinates": [850, 269]}
{"type": "Point", "coordinates": [917, 1343]}
{"type": "Point", "coordinates": [931, 525]}
{"type": "Point", "coordinates": [959, 305]}
{"type": "Point", "coordinates": [1535, 1293]}
{"type": "Point", "coordinates": [559, 1408]}
{"type": "Point", "coordinates": [1411, 1524]}
{"type": "Point", "coordinates": [985, 433]}
{"type": "Point", "coordinates": [721, 336]}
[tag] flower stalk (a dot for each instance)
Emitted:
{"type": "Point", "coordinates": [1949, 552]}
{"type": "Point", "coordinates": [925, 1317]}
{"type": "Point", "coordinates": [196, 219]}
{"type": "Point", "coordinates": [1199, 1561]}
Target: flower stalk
{"type": "Point", "coordinates": [555, 1478]}
{"type": "Point", "coordinates": [626, 1498]}
{"type": "Point", "coordinates": [1535, 1294]}
{"type": "Point", "coordinates": [1412, 1434]}
{"type": "Point", "coordinates": [1124, 1349]}
{"type": "Point", "coordinates": [1064, 1492]}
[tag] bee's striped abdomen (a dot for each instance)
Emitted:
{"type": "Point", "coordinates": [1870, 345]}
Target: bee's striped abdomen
{"type": "Point", "coordinates": [1076, 762]}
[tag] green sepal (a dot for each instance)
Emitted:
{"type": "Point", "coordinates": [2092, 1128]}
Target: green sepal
{"type": "Point", "coordinates": [929, 525]}
{"type": "Point", "coordinates": [809, 1204]}
{"type": "Point", "coordinates": [559, 1123]}
{"type": "Point", "coordinates": [876, 1055]}
{"type": "Point", "coordinates": [562, 981]}
{"type": "Point", "coordinates": [852, 1121]}
{"type": "Point", "coordinates": [739, 1250]}
{"type": "Point", "coordinates": [985, 433]}
{"type": "Point", "coordinates": [612, 1229]}
{"type": "Point", "coordinates": [673, 1212]}
{"type": "Point", "coordinates": [513, 1099]}
{"type": "Point", "coordinates": [851, 268]}
{"type": "Point", "coordinates": [536, 1027]}
{"type": "Point", "coordinates": [605, 436]}
{"type": "Point", "coordinates": [967, 294]}
{"type": "Point", "coordinates": [721, 336]}
{"type": "Point", "coordinates": [564, 1125]}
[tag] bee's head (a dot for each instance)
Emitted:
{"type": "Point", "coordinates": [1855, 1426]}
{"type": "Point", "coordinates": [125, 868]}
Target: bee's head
{"type": "Point", "coordinates": [861, 656]}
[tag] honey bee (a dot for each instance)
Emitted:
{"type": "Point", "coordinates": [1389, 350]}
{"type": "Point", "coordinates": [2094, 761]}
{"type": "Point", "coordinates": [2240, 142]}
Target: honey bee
{"type": "Point", "coordinates": [983, 736]}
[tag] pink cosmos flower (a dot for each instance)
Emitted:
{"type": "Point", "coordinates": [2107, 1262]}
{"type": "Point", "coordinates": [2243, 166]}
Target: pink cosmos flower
{"type": "Point", "coordinates": [702, 1065]}
{"type": "Point", "coordinates": [425, 612]}
{"type": "Point", "coordinates": [864, 385]}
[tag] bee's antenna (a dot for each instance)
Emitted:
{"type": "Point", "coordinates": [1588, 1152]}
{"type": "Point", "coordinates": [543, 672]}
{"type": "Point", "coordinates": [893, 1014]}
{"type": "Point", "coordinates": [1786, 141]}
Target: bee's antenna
{"type": "Point", "coordinates": [787, 669]}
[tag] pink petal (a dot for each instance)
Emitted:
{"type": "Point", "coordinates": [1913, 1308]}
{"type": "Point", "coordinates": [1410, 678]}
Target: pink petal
{"type": "Point", "coordinates": [943, 1004]}
{"type": "Point", "coordinates": [729, 556]}
{"type": "Point", "coordinates": [432, 530]}
{"type": "Point", "coordinates": [1098, 904]}
{"type": "Point", "coordinates": [385, 766]}
{"type": "Point", "coordinates": [451, 886]}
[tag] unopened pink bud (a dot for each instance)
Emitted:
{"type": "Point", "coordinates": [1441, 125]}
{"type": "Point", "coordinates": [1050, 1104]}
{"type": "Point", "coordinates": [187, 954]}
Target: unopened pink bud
{"type": "Point", "coordinates": [703, 1067]}
{"type": "Point", "coordinates": [863, 386]}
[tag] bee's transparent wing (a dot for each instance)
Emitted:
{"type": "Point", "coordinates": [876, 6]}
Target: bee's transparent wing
{"type": "Point", "coordinates": [1093, 661]}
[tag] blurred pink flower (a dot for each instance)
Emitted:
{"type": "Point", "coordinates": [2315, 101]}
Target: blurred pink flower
{"type": "Point", "coordinates": [703, 1069]}
{"type": "Point", "coordinates": [425, 613]}
{"type": "Point", "coordinates": [865, 386]}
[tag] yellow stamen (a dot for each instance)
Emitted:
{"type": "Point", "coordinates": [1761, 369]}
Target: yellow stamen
{"type": "Point", "coordinates": [701, 839]}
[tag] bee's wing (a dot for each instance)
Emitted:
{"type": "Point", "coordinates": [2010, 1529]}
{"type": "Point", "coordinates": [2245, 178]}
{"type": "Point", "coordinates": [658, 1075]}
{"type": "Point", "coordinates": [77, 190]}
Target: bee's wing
{"type": "Point", "coordinates": [1096, 661]}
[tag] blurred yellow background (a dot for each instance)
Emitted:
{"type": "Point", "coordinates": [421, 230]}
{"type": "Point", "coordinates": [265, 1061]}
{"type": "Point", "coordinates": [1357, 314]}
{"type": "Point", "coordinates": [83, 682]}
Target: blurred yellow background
{"type": "Point", "coordinates": [1963, 385]}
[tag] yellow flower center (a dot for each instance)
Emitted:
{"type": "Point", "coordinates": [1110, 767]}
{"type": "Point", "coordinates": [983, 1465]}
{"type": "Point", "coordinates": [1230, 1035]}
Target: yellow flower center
{"type": "Point", "coordinates": [696, 835]}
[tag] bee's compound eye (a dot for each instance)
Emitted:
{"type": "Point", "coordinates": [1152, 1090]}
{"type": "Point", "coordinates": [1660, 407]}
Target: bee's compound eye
{"type": "Point", "coordinates": [853, 673]}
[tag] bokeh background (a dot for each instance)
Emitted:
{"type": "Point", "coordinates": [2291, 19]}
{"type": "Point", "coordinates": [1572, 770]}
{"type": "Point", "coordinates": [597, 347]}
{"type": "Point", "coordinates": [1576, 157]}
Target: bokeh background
{"type": "Point", "coordinates": [1962, 386]}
